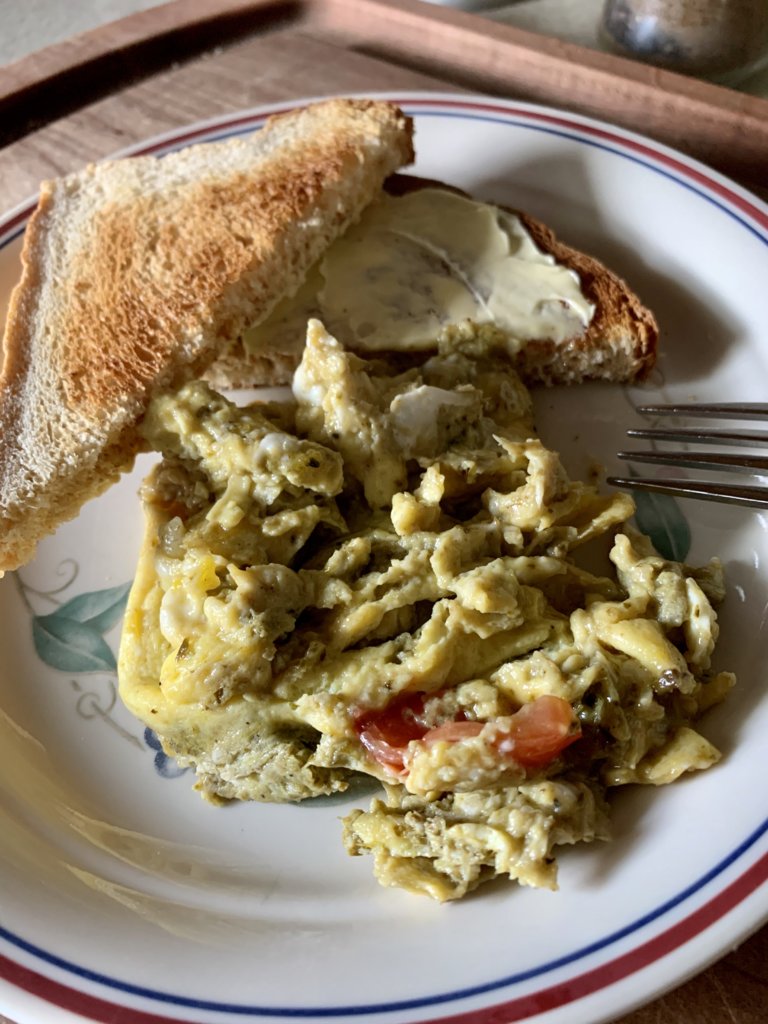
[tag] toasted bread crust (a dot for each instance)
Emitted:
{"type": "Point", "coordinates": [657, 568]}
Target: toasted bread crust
{"type": "Point", "coordinates": [621, 340]}
{"type": "Point", "coordinates": [135, 271]}
{"type": "Point", "coordinates": [619, 344]}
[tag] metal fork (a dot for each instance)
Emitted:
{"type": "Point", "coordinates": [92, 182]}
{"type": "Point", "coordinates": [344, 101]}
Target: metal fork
{"type": "Point", "coordinates": [738, 494]}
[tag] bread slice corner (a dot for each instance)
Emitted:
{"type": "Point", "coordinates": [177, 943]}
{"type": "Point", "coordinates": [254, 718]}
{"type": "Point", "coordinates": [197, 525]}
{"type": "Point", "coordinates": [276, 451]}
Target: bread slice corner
{"type": "Point", "coordinates": [134, 273]}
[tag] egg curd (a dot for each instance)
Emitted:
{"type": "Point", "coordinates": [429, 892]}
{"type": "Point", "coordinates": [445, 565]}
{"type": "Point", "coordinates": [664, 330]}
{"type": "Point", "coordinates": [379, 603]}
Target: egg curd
{"type": "Point", "coordinates": [384, 576]}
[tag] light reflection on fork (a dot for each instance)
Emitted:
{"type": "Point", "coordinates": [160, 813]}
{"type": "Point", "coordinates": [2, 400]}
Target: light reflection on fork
{"type": "Point", "coordinates": [751, 496]}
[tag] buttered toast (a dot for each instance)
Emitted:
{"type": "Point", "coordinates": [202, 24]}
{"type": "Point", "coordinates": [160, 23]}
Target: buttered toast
{"type": "Point", "coordinates": [424, 258]}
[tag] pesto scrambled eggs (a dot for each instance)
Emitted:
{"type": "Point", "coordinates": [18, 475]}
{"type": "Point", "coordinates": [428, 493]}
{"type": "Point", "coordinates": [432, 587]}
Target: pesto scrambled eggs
{"type": "Point", "coordinates": [383, 576]}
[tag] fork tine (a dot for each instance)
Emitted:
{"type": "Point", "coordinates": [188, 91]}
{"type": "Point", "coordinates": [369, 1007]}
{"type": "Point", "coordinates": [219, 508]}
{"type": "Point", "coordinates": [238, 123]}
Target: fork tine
{"type": "Point", "coordinates": [757, 464]}
{"type": "Point", "coordinates": [739, 494]}
{"type": "Point", "coordinates": [721, 410]}
{"type": "Point", "coordinates": [746, 497]}
{"type": "Point", "coordinates": [700, 435]}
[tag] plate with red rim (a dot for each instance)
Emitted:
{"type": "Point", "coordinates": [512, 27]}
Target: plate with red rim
{"type": "Point", "coordinates": [125, 898]}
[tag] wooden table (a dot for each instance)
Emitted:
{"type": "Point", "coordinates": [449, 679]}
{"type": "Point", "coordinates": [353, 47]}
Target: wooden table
{"type": "Point", "coordinates": [172, 65]}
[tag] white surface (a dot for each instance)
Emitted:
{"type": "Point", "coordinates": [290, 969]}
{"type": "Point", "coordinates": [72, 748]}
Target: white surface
{"type": "Point", "coordinates": [34, 24]}
{"type": "Point", "coordinates": [129, 877]}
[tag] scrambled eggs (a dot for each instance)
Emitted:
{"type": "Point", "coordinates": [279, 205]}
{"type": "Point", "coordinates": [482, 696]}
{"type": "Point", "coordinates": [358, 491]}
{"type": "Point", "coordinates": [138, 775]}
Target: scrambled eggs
{"type": "Point", "coordinates": [382, 576]}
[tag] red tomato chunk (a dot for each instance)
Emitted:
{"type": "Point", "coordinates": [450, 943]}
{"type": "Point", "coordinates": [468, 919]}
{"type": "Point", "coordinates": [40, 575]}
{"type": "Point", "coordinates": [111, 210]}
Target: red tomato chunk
{"type": "Point", "coordinates": [536, 734]}
{"type": "Point", "coordinates": [386, 734]}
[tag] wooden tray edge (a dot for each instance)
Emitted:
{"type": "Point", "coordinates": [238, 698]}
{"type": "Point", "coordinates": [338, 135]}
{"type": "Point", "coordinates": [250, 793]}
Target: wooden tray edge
{"type": "Point", "coordinates": [724, 128]}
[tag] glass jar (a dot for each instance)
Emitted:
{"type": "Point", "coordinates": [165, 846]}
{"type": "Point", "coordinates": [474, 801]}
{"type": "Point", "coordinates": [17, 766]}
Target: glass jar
{"type": "Point", "coordinates": [724, 40]}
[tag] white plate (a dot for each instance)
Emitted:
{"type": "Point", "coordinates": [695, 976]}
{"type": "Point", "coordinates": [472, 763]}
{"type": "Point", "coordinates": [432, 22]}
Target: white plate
{"type": "Point", "coordinates": [126, 898]}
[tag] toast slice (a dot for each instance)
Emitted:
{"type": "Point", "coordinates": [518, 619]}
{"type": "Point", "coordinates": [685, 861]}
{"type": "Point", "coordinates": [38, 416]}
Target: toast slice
{"type": "Point", "coordinates": [134, 271]}
{"type": "Point", "coordinates": [617, 344]}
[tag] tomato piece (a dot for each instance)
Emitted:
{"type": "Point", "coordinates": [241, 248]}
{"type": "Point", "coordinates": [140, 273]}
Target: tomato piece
{"type": "Point", "coordinates": [391, 757]}
{"type": "Point", "coordinates": [386, 734]}
{"type": "Point", "coordinates": [539, 731]}
{"type": "Point", "coordinates": [451, 732]}
{"type": "Point", "coordinates": [536, 734]}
